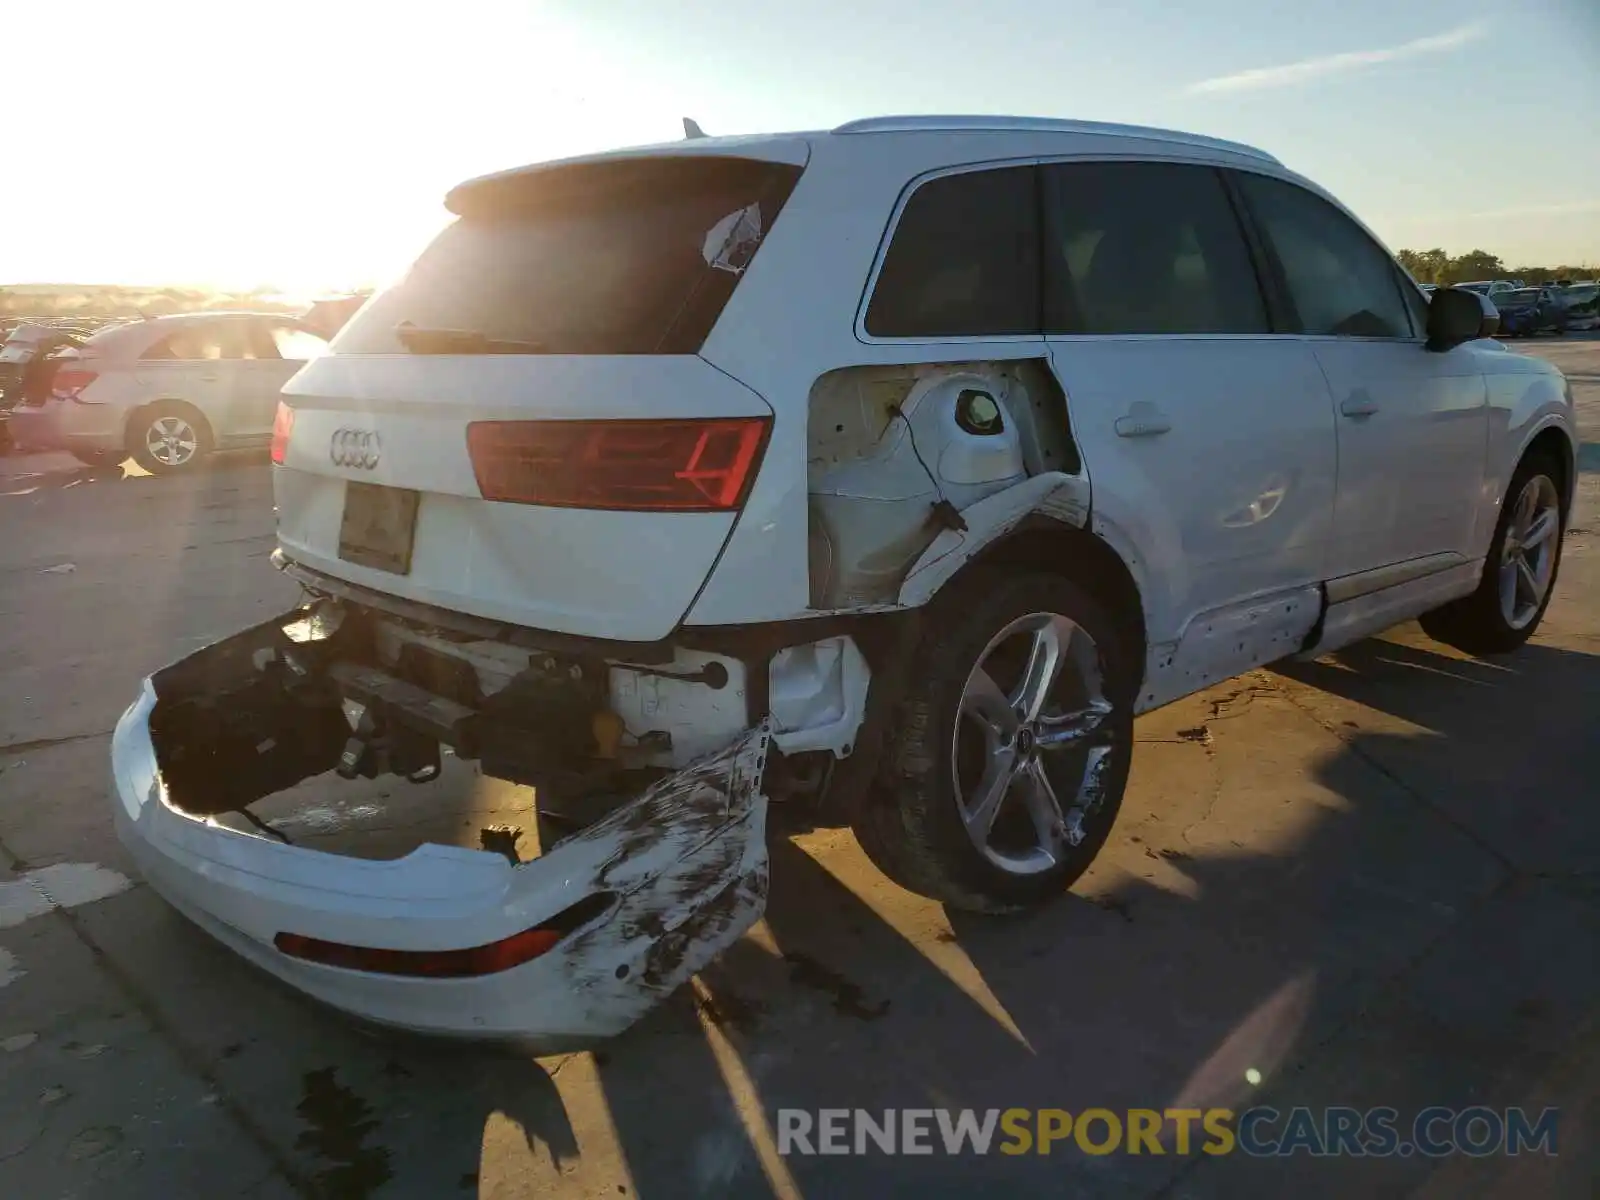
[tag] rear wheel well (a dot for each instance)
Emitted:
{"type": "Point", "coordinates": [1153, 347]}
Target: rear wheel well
{"type": "Point", "coordinates": [1045, 544]}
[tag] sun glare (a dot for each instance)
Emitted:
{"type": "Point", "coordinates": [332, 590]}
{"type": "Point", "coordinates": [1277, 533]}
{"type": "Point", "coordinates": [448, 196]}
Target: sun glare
{"type": "Point", "coordinates": [298, 146]}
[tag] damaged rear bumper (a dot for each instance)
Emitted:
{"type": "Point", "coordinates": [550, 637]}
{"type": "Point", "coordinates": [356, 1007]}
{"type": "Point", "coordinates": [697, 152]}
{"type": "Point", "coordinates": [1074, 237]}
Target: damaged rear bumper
{"type": "Point", "coordinates": [634, 904]}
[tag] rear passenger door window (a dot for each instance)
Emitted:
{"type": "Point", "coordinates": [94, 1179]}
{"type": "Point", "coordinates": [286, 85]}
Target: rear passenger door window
{"type": "Point", "coordinates": [297, 345]}
{"type": "Point", "coordinates": [963, 260]}
{"type": "Point", "coordinates": [1146, 248]}
{"type": "Point", "coordinates": [203, 343]}
{"type": "Point", "coordinates": [1339, 282]}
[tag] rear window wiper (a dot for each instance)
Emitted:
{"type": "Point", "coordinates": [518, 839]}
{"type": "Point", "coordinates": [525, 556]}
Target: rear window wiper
{"type": "Point", "coordinates": [420, 340]}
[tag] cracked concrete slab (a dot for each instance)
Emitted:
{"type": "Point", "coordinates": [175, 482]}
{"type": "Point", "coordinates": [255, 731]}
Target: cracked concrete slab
{"type": "Point", "coordinates": [93, 1100]}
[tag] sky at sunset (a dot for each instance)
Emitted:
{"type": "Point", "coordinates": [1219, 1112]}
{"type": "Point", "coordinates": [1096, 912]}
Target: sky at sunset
{"type": "Point", "coordinates": [308, 145]}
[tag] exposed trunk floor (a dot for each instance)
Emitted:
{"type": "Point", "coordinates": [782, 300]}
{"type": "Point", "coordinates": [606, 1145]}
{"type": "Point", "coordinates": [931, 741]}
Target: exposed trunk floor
{"type": "Point", "coordinates": [386, 818]}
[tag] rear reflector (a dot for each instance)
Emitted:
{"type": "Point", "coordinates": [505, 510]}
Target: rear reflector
{"type": "Point", "coordinates": [69, 383]}
{"type": "Point", "coordinates": [450, 964]}
{"type": "Point", "coordinates": [430, 964]}
{"type": "Point", "coordinates": [282, 427]}
{"type": "Point", "coordinates": [656, 466]}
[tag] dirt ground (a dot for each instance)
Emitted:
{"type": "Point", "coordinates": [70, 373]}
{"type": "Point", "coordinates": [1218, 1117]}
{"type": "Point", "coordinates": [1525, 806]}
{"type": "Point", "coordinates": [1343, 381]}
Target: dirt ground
{"type": "Point", "coordinates": [1369, 880]}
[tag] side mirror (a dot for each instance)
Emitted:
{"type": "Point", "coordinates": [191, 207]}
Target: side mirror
{"type": "Point", "coordinates": [1456, 315]}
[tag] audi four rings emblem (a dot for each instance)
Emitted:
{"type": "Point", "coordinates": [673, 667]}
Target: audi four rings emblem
{"type": "Point", "coordinates": [355, 448]}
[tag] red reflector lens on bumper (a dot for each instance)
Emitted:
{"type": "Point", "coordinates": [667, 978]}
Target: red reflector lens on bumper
{"type": "Point", "coordinates": [428, 964]}
{"type": "Point", "coordinates": [282, 427]}
{"type": "Point", "coordinates": [657, 466]}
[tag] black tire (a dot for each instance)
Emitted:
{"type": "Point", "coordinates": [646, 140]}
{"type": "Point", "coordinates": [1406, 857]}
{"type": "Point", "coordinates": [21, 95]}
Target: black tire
{"type": "Point", "coordinates": [1478, 624]}
{"type": "Point", "coordinates": [140, 439]}
{"type": "Point", "coordinates": [911, 826]}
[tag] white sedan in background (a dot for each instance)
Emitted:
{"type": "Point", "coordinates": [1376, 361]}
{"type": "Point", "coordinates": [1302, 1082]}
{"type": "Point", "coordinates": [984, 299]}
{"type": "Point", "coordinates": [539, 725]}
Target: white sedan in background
{"type": "Point", "coordinates": [169, 390]}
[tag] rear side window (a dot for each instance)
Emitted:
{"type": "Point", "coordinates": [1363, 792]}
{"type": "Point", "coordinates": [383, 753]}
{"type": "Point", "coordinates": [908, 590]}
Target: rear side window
{"type": "Point", "coordinates": [963, 261]}
{"type": "Point", "coordinates": [297, 345]}
{"type": "Point", "coordinates": [203, 343]}
{"type": "Point", "coordinates": [631, 256]}
{"type": "Point", "coordinates": [1150, 248]}
{"type": "Point", "coordinates": [1339, 280]}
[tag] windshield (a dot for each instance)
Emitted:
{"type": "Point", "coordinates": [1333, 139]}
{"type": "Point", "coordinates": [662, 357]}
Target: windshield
{"type": "Point", "coordinates": [626, 257]}
{"type": "Point", "coordinates": [1520, 296]}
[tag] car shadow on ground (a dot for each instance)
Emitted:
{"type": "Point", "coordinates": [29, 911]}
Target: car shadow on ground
{"type": "Point", "coordinates": [1408, 910]}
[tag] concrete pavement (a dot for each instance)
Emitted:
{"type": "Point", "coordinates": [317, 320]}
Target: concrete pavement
{"type": "Point", "coordinates": [1368, 880]}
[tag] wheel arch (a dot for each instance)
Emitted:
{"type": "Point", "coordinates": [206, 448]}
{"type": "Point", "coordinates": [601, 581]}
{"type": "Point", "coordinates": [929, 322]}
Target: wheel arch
{"type": "Point", "coordinates": [1043, 521]}
{"type": "Point", "coordinates": [1039, 540]}
{"type": "Point", "coordinates": [1552, 442]}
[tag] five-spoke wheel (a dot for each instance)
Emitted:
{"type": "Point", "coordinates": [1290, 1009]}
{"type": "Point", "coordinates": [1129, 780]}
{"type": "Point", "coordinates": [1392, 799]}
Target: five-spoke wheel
{"type": "Point", "coordinates": [1006, 763]}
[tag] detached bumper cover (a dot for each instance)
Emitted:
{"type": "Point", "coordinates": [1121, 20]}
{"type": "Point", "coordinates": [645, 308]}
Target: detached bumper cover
{"type": "Point", "coordinates": [684, 870]}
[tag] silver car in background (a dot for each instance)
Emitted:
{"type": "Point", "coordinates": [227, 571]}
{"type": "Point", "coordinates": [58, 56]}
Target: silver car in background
{"type": "Point", "coordinates": [169, 390]}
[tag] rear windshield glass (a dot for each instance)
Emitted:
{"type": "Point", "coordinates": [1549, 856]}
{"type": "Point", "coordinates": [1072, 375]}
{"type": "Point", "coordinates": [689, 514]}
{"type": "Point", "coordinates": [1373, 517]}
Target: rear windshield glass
{"type": "Point", "coordinates": [1521, 296]}
{"type": "Point", "coordinates": [625, 257]}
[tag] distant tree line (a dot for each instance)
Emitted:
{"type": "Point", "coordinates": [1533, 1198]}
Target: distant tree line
{"type": "Point", "coordinates": [1438, 266]}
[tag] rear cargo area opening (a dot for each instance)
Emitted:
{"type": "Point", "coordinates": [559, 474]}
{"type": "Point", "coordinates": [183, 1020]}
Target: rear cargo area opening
{"type": "Point", "coordinates": [258, 786]}
{"type": "Point", "coordinates": [351, 732]}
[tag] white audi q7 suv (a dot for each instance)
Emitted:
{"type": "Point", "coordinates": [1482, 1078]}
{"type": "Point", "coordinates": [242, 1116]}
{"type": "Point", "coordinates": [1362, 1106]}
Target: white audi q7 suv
{"type": "Point", "coordinates": [891, 469]}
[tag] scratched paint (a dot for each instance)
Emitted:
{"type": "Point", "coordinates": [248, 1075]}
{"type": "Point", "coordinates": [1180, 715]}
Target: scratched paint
{"type": "Point", "coordinates": [60, 885]}
{"type": "Point", "coordinates": [10, 972]}
{"type": "Point", "coordinates": [325, 818]}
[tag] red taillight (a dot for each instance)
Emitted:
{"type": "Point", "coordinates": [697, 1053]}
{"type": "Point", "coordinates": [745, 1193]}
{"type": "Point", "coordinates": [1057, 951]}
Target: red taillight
{"type": "Point", "coordinates": [657, 466]}
{"type": "Point", "coordinates": [282, 427]}
{"type": "Point", "coordinates": [69, 383]}
{"type": "Point", "coordinates": [430, 964]}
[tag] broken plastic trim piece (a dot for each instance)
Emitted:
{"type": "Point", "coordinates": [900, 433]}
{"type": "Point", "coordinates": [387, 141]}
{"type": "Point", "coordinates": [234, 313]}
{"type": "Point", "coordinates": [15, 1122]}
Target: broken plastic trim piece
{"type": "Point", "coordinates": [731, 243]}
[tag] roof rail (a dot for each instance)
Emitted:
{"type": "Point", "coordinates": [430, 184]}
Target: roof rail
{"type": "Point", "coordinates": [964, 124]}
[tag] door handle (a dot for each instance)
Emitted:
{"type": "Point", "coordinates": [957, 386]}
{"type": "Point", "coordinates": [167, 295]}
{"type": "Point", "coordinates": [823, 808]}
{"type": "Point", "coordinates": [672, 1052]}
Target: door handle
{"type": "Point", "coordinates": [208, 379]}
{"type": "Point", "coordinates": [1359, 406]}
{"type": "Point", "coordinates": [1143, 420]}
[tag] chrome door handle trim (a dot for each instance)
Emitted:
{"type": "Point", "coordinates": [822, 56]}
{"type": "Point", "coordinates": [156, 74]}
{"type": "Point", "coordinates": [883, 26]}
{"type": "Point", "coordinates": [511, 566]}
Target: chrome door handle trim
{"type": "Point", "coordinates": [1143, 425]}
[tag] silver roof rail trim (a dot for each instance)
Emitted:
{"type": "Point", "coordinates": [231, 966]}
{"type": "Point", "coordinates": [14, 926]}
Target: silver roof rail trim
{"type": "Point", "coordinates": [966, 124]}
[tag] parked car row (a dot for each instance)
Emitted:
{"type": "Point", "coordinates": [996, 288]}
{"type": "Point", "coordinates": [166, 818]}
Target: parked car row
{"type": "Point", "coordinates": [1529, 310]}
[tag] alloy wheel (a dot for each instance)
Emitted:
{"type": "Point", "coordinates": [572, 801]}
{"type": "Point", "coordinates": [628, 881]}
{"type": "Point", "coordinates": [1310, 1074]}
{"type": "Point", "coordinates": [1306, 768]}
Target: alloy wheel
{"type": "Point", "coordinates": [1528, 556]}
{"type": "Point", "coordinates": [1033, 739]}
{"type": "Point", "coordinates": [171, 441]}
